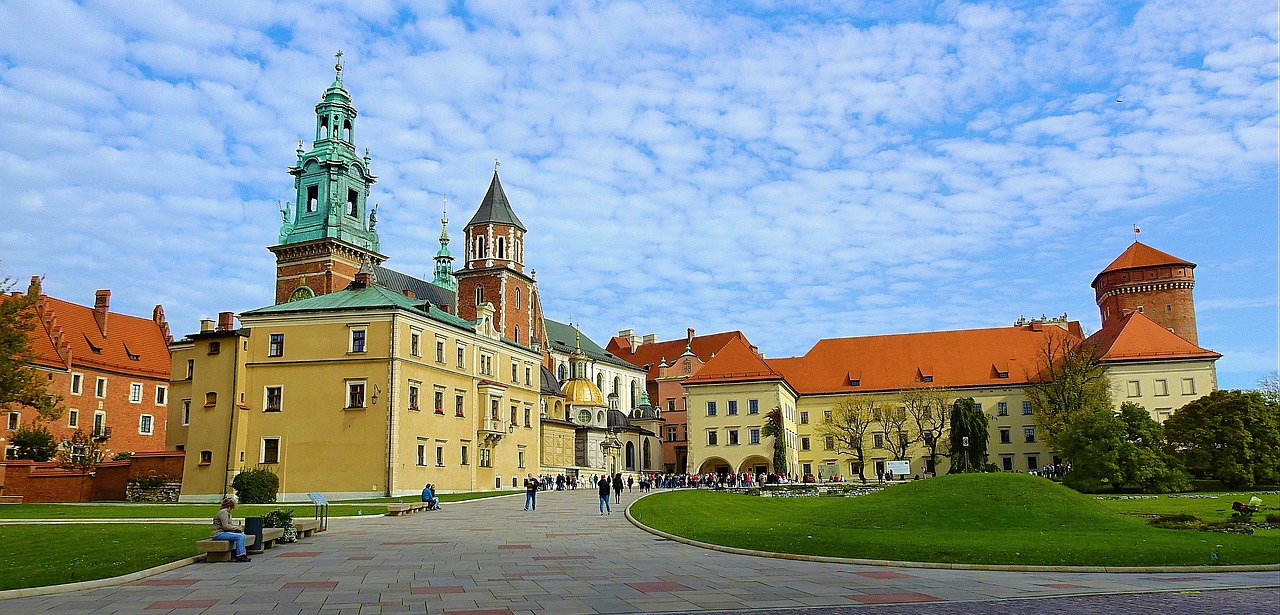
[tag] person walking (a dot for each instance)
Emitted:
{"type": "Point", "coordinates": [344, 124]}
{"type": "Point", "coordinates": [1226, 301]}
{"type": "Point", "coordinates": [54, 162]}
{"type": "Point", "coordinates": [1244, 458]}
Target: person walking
{"type": "Point", "coordinates": [530, 492]}
{"type": "Point", "coordinates": [617, 488]}
{"type": "Point", "coordinates": [630, 481]}
{"type": "Point", "coordinates": [603, 485]}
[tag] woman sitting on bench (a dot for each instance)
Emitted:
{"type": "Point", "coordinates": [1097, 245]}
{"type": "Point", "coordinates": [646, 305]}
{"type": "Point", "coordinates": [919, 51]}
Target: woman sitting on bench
{"type": "Point", "coordinates": [224, 529]}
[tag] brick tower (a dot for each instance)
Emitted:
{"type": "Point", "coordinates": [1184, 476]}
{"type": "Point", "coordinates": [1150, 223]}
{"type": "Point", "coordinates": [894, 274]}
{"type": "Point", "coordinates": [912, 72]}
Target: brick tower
{"type": "Point", "coordinates": [493, 271]}
{"type": "Point", "coordinates": [329, 232]}
{"type": "Point", "coordinates": [1144, 279]}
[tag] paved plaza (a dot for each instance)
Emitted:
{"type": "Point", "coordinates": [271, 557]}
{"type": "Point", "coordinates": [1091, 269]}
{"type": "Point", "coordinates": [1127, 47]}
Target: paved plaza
{"type": "Point", "coordinates": [490, 557]}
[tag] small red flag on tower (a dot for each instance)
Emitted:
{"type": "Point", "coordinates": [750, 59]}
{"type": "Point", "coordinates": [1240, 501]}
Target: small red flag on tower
{"type": "Point", "coordinates": [1136, 230]}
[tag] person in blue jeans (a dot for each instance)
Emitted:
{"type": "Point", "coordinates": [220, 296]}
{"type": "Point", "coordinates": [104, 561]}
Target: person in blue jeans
{"type": "Point", "coordinates": [530, 493]}
{"type": "Point", "coordinates": [604, 484]}
{"type": "Point", "coordinates": [429, 496]}
{"type": "Point", "coordinates": [225, 529]}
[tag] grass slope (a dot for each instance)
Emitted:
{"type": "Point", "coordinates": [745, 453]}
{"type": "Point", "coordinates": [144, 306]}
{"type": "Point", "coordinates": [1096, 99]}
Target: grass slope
{"type": "Point", "coordinates": [969, 518]}
{"type": "Point", "coordinates": [37, 555]}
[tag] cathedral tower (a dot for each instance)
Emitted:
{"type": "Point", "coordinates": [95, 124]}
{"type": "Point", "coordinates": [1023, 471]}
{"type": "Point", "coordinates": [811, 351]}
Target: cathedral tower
{"type": "Point", "coordinates": [1144, 279]}
{"type": "Point", "coordinates": [444, 260]}
{"type": "Point", "coordinates": [329, 232]}
{"type": "Point", "coordinates": [493, 270]}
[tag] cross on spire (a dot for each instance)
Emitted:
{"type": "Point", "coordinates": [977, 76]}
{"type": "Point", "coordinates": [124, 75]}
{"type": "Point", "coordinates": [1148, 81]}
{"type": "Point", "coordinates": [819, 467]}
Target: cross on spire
{"type": "Point", "coordinates": [496, 164]}
{"type": "Point", "coordinates": [337, 68]}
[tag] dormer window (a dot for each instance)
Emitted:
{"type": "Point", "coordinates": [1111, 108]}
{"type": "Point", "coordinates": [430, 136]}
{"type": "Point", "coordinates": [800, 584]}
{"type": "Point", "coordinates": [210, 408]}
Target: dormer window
{"type": "Point", "coordinates": [313, 197]}
{"type": "Point", "coordinates": [352, 199]}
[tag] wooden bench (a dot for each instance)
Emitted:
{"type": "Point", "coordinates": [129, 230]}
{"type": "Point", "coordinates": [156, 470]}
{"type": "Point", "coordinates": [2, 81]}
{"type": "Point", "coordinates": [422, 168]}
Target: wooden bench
{"type": "Point", "coordinates": [220, 550]}
{"type": "Point", "coordinates": [395, 510]}
{"type": "Point", "coordinates": [307, 527]}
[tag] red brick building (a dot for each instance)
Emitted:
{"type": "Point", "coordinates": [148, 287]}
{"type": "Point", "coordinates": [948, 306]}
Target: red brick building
{"type": "Point", "coordinates": [669, 363]}
{"type": "Point", "coordinates": [111, 369]}
{"type": "Point", "coordinates": [1150, 282]}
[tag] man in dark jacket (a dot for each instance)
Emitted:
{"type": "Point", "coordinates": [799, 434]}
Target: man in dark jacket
{"type": "Point", "coordinates": [603, 484]}
{"type": "Point", "coordinates": [617, 488]}
{"type": "Point", "coordinates": [530, 492]}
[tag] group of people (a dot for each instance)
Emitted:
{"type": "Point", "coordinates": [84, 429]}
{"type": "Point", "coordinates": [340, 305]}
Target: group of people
{"type": "Point", "coordinates": [429, 496]}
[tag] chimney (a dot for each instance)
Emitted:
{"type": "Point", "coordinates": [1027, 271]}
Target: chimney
{"type": "Point", "coordinates": [34, 288]}
{"type": "Point", "coordinates": [623, 333]}
{"type": "Point", "coordinates": [206, 325]}
{"type": "Point", "coordinates": [410, 294]}
{"type": "Point", "coordinates": [101, 303]}
{"type": "Point", "coordinates": [689, 338]}
{"type": "Point", "coordinates": [226, 321]}
{"type": "Point", "coordinates": [362, 280]}
{"type": "Point", "coordinates": [650, 338]}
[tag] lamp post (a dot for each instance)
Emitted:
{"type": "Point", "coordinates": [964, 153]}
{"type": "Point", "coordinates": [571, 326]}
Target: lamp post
{"type": "Point", "coordinates": [610, 447]}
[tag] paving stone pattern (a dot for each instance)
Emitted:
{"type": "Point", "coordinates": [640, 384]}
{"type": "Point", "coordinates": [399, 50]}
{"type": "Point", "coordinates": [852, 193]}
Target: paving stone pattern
{"type": "Point", "coordinates": [489, 556]}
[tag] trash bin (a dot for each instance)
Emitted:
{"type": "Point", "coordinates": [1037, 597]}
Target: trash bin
{"type": "Point", "coordinates": [253, 527]}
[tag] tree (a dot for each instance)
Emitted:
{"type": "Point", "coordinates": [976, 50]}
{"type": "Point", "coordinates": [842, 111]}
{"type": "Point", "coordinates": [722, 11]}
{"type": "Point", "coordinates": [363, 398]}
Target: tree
{"type": "Point", "coordinates": [1233, 436]}
{"type": "Point", "coordinates": [21, 386]}
{"type": "Point", "coordinates": [773, 428]}
{"type": "Point", "coordinates": [893, 430]}
{"type": "Point", "coordinates": [34, 441]}
{"type": "Point", "coordinates": [82, 453]}
{"type": "Point", "coordinates": [927, 408]}
{"type": "Point", "coordinates": [1120, 449]}
{"type": "Point", "coordinates": [968, 437]}
{"type": "Point", "coordinates": [1270, 387]}
{"type": "Point", "coordinates": [847, 427]}
{"type": "Point", "coordinates": [1069, 381]}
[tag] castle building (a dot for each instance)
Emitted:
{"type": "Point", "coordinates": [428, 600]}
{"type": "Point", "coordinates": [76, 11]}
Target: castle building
{"type": "Point", "coordinates": [1150, 282]}
{"type": "Point", "coordinates": [111, 370]}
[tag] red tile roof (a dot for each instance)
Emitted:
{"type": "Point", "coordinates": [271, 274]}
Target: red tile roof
{"type": "Point", "coordinates": [1135, 337]}
{"type": "Point", "coordinates": [736, 362]}
{"type": "Point", "coordinates": [968, 358]}
{"type": "Point", "coordinates": [67, 335]}
{"type": "Point", "coordinates": [1141, 255]}
{"type": "Point", "coordinates": [648, 356]}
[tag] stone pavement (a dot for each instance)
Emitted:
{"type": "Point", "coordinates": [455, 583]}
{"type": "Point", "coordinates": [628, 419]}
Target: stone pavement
{"type": "Point", "coordinates": [490, 557]}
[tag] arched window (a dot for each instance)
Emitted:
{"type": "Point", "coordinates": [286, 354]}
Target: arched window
{"type": "Point", "coordinates": [600, 418]}
{"type": "Point", "coordinates": [560, 372]}
{"type": "Point", "coordinates": [479, 295]}
{"type": "Point", "coordinates": [635, 395]}
{"type": "Point", "coordinates": [346, 131]}
{"type": "Point", "coordinates": [480, 248]}
{"type": "Point", "coordinates": [616, 382]}
{"type": "Point", "coordinates": [600, 381]}
{"type": "Point", "coordinates": [646, 457]}
{"type": "Point", "coordinates": [517, 301]}
{"type": "Point", "coordinates": [631, 456]}
{"type": "Point", "coordinates": [517, 338]}
{"type": "Point", "coordinates": [323, 132]}
{"type": "Point", "coordinates": [502, 247]}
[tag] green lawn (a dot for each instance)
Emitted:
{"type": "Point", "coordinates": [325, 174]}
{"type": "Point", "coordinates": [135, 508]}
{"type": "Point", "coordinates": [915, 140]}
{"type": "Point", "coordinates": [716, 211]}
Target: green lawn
{"type": "Point", "coordinates": [1203, 507]}
{"type": "Point", "coordinates": [970, 518]}
{"type": "Point", "coordinates": [36, 555]}
{"type": "Point", "coordinates": [120, 510]}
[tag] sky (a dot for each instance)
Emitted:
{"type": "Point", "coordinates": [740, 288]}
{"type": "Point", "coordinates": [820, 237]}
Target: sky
{"type": "Point", "coordinates": [793, 170]}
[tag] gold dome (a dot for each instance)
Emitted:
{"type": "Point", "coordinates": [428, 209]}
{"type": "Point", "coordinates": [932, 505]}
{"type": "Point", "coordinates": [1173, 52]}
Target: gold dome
{"type": "Point", "coordinates": [582, 392]}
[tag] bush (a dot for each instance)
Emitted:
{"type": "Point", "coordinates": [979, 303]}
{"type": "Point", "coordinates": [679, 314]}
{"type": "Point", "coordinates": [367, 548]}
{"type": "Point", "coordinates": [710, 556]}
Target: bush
{"type": "Point", "coordinates": [1178, 522]}
{"type": "Point", "coordinates": [122, 456]}
{"type": "Point", "coordinates": [1273, 518]}
{"type": "Point", "coordinates": [34, 442]}
{"type": "Point", "coordinates": [256, 486]}
{"type": "Point", "coordinates": [152, 481]}
{"type": "Point", "coordinates": [284, 519]}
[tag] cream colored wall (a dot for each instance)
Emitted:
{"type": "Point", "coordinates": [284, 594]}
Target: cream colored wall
{"type": "Point", "coordinates": [557, 447]}
{"type": "Point", "coordinates": [744, 455]}
{"type": "Point", "coordinates": [209, 428]}
{"type": "Point", "coordinates": [1141, 383]}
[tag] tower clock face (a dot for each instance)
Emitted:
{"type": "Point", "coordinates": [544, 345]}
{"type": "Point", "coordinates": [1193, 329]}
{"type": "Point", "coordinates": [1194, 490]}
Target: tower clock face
{"type": "Point", "coordinates": [302, 292]}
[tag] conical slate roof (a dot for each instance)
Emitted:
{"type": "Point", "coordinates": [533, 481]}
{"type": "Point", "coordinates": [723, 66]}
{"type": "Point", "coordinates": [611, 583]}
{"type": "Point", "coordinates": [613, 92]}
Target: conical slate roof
{"type": "Point", "coordinates": [495, 207]}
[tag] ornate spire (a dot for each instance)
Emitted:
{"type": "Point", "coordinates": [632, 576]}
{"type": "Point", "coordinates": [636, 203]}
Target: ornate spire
{"type": "Point", "coordinates": [444, 260]}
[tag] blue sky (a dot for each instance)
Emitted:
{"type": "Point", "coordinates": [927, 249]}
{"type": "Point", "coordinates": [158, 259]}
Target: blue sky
{"type": "Point", "coordinates": [793, 170]}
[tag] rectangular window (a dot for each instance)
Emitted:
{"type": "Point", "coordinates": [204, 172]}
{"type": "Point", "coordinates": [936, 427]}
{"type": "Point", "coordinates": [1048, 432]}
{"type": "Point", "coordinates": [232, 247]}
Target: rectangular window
{"type": "Point", "coordinates": [206, 458]}
{"type": "Point", "coordinates": [1033, 464]}
{"type": "Point", "coordinates": [215, 347]}
{"type": "Point", "coordinates": [275, 345]}
{"type": "Point", "coordinates": [671, 404]}
{"type": "Point", "coordinates": [711, 408]}
{"type": "Point", "coordinates": [514, 416]}
{"type": "Point", "coordinates": [528, 375]}
{"type": "Point", "coordinates": [465, 460]}
{"type": "Point", "coordinates": [422, 454]}
{"type": "Point", "coordinates": [733, 436]}
{"type": "Point", "coordinates": [270, 450]}
{"type": "Point", "coordinates": [135, 392]}
{"type": "Point", "coordinates": [829, 443]}
{"type": "Point", "coordinates": [273, 397]}
{"type": "Point", "coordinates": [145, 423]}
{"type": "Point", "coordinates": [486, 364]}
{"type": "Point", "coordinates": [978, 406]}
{"type": "Point", "coordinates": [186, 412]}
{"type": "Point", "coordinates": [753, 406]}
{"type": "Point", "coordinates": [99, 423]}
{"type": "Point", "coordinates": [1026, 408]}
{"type": "Point", "coordinates": [671, 433]}
{"type": "Point", "coordinates": [712, 437]}
{"type": "Point", "coordinates": [804, 444]}
{"type": "Point", "coordinates": [1002, 408]}
{"type": "Point", "coordinates": [357, 340]}
{"type": "Point", "coordinates": [1006, 437]}
{"type": "Point", "coordinates": [515, 372]}
{"type": "Point", "coordinates": [826, 415]}
{"type": "Point", "coordinates": [462, 353]}
{"type": "Point", "coordinates": [100, 389]}
{"type": "Point", "coordinates": [73, 418]}
{"type": "Point", "coordinates": [191, 368]}
{"type": "Point", "coordinates": [439, 402]}
{"type": "Point", "coordinates": [77, 384]}
{"type": "Point", "coordinates": [457, 405]}
{"type": "Point", "coordinates": [210, 399]}
{"type": "Point", "coordinates": [1008, 463]}
{"type": "Point", "coordinates": [528, 417]}
{"type": "Point", "coordinates": [804, 417]}
{"type": "Point", "coordinates": [1029, 433]}
{"type": "Point", "coordinates": [520, 458]}
{"type": "Point", "coordinates": [754, 435]}
{"type": "Point", "coordinates": [313, 197]}
{"type": "Point", "coordinates": [162, 395]}
{"type": "Point", "coordinates": [440, 353]}
{"type": "Point", "coordinates": [355, 394]}
{"type": "Point", "coordinates": [733, 407]}
{"type": "Point", "coordinates": [878, 441]}
{"type": "Point", "coordinates": [415, 347]}
{"type": "Point", "coordinates": [1162, 388]}
{"type": "Point", "coordinates": [1133, 388]}
{"type": "Point", "coordinates": [1188, 386]}
{"type": "Point", "coordinates": [440, 456]}
{"type": "Point", "coordinates": [15, 419]}
{"type": "Point", "coordinates": [413, 398]}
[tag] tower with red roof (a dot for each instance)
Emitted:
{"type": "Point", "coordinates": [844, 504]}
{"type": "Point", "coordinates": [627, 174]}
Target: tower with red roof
{"type": "Point", "coordinates": [1150, 282]}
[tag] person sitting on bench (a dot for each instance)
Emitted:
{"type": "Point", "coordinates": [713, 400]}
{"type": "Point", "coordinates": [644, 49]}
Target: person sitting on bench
{"type": "Point", "coordinates": [225, 529]}
{"type": "Point", "coordinates": [429, 496]}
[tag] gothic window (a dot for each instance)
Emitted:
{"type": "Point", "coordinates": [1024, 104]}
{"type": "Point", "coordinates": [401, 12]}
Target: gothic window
{"type": "Point", "coordinates": [616, 381]}
{"type": "Point", "coordinates": [479, 295]}
{"type": "Point", "coordinates": [560, 372]}
{"type": "Point", "coordinates": [502, 248]}
{"type": "Point", "coordinates": [517, 304]}
{"type": "Point", "coordinates": [480, 247]}
{"type": "Point", "coordinates": [646, 457]}
{"type": "Point", "coordinates": [313, 197]}
{"type": "Point", "coordinates": [631, 456]}
{"type": "Point", "coordinates": [517, 337]}
{"type": "Point", "coordinates": [352, 198]}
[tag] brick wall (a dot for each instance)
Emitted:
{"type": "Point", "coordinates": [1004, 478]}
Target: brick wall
{"type": "Point", "coordinates": [45, 482]}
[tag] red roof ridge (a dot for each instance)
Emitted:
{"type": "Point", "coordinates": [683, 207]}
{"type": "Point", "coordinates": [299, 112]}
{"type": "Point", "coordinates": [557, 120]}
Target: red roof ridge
{"type": "Point", "coordinates": [736, 361]}
{"type": "Point", "coordinates": [1135, 336]}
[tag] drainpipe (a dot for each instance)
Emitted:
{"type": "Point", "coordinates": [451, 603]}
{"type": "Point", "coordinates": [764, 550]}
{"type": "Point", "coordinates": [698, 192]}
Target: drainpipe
{"type": "Point", "coordinates": [391, 410]}
{"type": "Point", "coordinates": [231, 421]}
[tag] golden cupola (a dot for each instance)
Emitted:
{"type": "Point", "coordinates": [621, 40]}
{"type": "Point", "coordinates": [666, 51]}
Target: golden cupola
{"type": "Point", "coordinates": [579, 390]}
